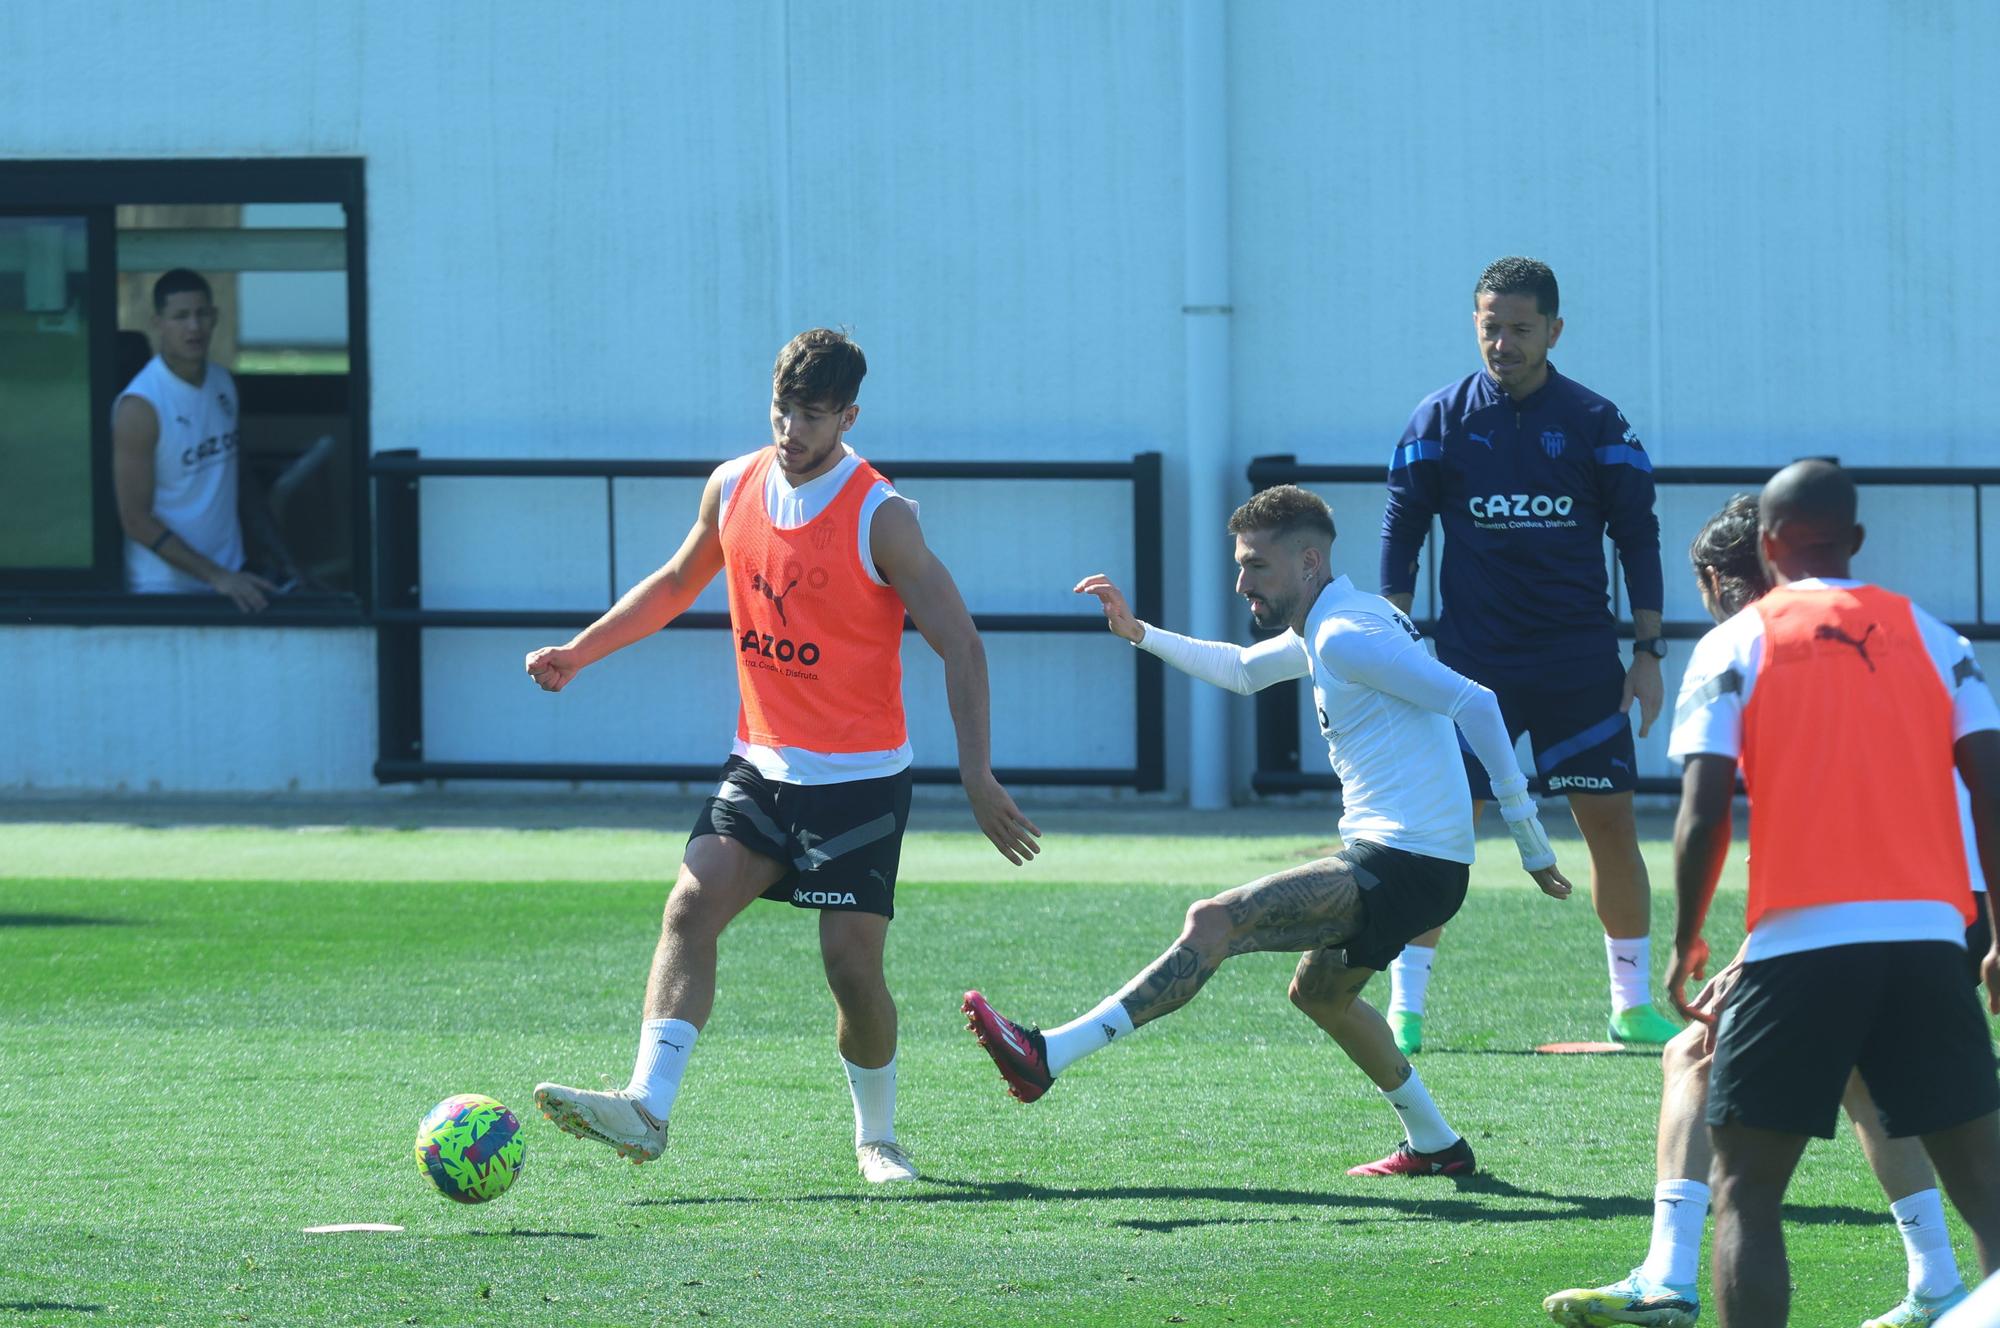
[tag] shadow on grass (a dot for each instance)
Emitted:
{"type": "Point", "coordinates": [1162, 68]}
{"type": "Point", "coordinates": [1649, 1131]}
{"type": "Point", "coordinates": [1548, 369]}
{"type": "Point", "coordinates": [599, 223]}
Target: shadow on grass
{"type": "Point", "coordinates": [1477, 1198]}
{"type": "Point", "coordinates": [54, 920]}
{"type": "Point", "coordinates": [1623, 1053]}
{"type": "Point", "coordinates": [521, 1234]}
{"type": "Point", "coordinates": [42, 1306]}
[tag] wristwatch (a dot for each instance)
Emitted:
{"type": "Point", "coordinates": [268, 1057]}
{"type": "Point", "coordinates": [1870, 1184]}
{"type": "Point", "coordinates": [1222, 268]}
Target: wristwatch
{"type": "Point", "coordinates": [1656, 646]}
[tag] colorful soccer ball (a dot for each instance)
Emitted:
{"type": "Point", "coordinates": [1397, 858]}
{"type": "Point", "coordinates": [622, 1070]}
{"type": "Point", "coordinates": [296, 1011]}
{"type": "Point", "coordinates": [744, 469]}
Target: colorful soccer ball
{"type": "Point", "coordinates": [470, 1147]}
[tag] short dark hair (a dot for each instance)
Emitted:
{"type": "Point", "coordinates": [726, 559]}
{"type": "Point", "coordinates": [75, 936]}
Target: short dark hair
{"type": "Point", "coordinates": [179, 282]}
{"type": "Point", "coordinates": [1284, 510]}
{"type": "Point", "coordinates": [820, 366]}
{"type": "Point", "coordinates": [1728, 543]}
{"type": "Point", "coordinates": [1521, 276]}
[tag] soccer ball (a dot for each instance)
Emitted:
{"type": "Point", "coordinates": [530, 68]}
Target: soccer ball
{"type": "Point", "coordinates": [470, 1148]}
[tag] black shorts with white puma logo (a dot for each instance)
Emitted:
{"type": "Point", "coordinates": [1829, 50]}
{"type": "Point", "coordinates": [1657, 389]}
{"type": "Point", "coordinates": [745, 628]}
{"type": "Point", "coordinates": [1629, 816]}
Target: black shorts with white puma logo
{"type": "Point", "coordinates": [840, 843]}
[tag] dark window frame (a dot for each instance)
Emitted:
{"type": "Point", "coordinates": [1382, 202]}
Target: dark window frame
{"type": "Point", "coordinates": [100, 242]}
{"type": "Point", "coordinates": [94, 188]}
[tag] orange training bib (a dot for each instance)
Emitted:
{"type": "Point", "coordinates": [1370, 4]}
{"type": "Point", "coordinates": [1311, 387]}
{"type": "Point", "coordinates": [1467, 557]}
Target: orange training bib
{"type": "Point", "coordinates": [818, 642]}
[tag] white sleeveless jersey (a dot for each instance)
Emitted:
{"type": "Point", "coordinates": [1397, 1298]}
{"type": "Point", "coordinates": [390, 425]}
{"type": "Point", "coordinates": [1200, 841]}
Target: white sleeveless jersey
{"type": "Point", "coordinates": [194, 476]}
{"type": "Point", "coordinates": [1402, 781]}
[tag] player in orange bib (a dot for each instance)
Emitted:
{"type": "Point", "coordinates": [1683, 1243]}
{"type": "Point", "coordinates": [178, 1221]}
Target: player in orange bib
{"type": "Point", "coordinates": [822, 558]}
{"type": "Point", "coordinates": [1847, 707]}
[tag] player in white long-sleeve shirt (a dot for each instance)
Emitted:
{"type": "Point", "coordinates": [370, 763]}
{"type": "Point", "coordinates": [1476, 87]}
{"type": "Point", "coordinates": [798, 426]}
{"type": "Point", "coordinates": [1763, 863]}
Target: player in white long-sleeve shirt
{"type": "Point", "coordinates": [1387, 709]}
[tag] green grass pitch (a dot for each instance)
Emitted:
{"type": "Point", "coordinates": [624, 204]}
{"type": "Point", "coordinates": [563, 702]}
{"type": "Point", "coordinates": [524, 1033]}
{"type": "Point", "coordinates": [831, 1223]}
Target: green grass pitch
{"type": "Point", "coordinates": [211, 1039]}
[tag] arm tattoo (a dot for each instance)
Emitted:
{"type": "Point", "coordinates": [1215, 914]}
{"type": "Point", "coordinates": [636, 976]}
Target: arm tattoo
{"type": "Point", "coordinates": [1169, 984]}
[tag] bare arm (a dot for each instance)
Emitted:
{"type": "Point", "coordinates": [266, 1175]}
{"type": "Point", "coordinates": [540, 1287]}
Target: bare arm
{"type": "Point", "coordinates": [1978, 756]}
{"type": "Point", "coordinates": [1701, 843]}
{"type": "Point", "coordinates": [897, 544]}
{"type": "Point", "coordinates": [1642, 679]}
{"type": "Point", "coordinates": [135, 433]}
{"type": "Point", "coordinates": [646, 607]}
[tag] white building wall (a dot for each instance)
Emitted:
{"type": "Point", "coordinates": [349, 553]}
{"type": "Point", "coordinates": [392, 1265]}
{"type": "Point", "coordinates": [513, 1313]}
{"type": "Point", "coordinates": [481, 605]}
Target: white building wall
{"type": "Point", "coordinates": [591, 227]}
{"type": "Point", "coordinates": [146, 709]}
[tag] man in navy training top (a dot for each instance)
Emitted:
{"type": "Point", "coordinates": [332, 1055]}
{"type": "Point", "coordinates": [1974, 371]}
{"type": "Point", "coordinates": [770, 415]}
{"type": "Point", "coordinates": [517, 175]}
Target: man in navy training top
{"type": "Point", "coordinates": [1529, 471]}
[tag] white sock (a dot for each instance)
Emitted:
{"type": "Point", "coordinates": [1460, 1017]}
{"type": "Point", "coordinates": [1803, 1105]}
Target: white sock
{"type": "Point", "coordinates": [1630, 962]}
{"type": "Point", "coordinates": [1927, 1243]}
{"type": "Point", "coordinates": [1093, 1032]}
{"type": "Point", "coordinates": [1410, 979]}
{"type": "Point", "coordinates": [664, 1048]}
{"type": "Point", "coordinates": [1680, 1207]}
{"type": "Point", "coordinates": [1422, 1125]}
{"type": "Point", "coordinates": [874, 1093]}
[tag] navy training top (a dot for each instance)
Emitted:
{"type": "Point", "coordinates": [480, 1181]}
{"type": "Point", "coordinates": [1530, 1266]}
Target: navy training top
{"type": "Point", "coordinates": [1527, 491]}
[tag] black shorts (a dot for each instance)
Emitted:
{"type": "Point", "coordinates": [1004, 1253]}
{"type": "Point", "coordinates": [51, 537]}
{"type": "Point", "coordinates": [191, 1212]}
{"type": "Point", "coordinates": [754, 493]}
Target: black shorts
{"type": "Point", "coordinates": [1403, 894]}
{"type": "Point", "coordinates": [840, 843]}
{"type": "Point", "coordinates": [1978, 937]}
{"type": "Point", "coordinates": [1898, 1011]}
{"type": "Point", "coordinates": [1581, 743]}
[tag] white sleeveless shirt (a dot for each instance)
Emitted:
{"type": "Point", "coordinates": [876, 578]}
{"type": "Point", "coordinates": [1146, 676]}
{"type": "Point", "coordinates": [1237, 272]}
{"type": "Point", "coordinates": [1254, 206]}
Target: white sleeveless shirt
{"type": "Point", "coordinates": [194, 476]}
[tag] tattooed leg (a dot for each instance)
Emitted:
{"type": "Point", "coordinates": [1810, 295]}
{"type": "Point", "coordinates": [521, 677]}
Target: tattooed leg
{"type": "Point", "coordinates": [1325, 988]}
{"type": "Point", "coordinates": [1302, 908]}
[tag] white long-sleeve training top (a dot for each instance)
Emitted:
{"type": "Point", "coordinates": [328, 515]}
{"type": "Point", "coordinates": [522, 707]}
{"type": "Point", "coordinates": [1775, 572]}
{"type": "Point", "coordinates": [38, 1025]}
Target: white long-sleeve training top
{"type": "Point", "coordinates": [1386, 709]}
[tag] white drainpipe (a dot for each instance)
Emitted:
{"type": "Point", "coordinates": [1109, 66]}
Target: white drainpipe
{"type": "Point", "coordinates": [1205, 315]}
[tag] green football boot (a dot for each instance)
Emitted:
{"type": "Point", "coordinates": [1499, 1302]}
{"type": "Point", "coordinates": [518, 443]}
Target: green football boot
{"type": "Point", "coordinates": [1642, 1025]}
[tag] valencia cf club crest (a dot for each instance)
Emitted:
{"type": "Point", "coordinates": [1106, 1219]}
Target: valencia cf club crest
{"type": "Point", "coordinates": [1553, 442]}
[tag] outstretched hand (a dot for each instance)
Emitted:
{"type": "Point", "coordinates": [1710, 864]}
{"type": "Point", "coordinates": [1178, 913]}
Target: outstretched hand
{"type": "Point", "coordinates": [1117, 613]}
{"type": "Point", "coordinates": [552, 667]}
{"type": "Point", "coordinates": [1554, 884]}
{"type": "Point", "coordinates": [1003, 824]}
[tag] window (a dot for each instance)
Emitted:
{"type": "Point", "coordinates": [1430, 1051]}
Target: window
{"type": "Point", "coordinates": [280, 244]}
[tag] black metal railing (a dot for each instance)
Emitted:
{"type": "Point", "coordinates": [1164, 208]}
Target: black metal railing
{"type": "Point", "coordinates": [1278, 749]}
{"type": "Point", "coordinates": [401, 619]}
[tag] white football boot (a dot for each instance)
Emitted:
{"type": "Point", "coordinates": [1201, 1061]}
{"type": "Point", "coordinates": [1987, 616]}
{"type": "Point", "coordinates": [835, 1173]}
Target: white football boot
{"type": "Point", "coordinates": [611, 1117]}
{"type": "Point", "coordinates": [883, 1161]}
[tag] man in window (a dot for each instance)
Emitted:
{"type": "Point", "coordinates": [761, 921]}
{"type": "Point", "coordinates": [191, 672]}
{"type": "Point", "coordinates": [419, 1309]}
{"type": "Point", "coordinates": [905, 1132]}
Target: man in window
{"type": "Point", "coordinates": [174, 459]}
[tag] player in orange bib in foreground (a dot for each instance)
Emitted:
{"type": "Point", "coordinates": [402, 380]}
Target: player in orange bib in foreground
{"type": "Point", "coordinates": [1847, 707]}
{"type": "Point", "coordinates": [823, 558]}
{"type": "Point", "coordinates": [1661, 1291]}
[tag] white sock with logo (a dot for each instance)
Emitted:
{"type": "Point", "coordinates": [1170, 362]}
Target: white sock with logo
{"type": "Point", "coordinates": [1423, 1125]}
{"type": "Point", "coordinates": [664, 1048]}
{"type": "Point", "coordinates": [1926, 1242]}
{"type": "Point", "coordinates": [874, 1093]}
{"type": "Point", "coordinates": [1410, 979]}
{"type": "Point", "coordinates": [1630, 962]}
{"type": "Point", "coordinates": [1093, 1032]}
{"type": "Point", "coordinates": [1680, 1207]}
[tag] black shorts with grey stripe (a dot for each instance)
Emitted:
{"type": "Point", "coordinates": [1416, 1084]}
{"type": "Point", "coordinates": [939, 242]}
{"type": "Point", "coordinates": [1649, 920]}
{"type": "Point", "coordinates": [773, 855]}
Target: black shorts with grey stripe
{"type": "Point", "coordinates": [840, 843]}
